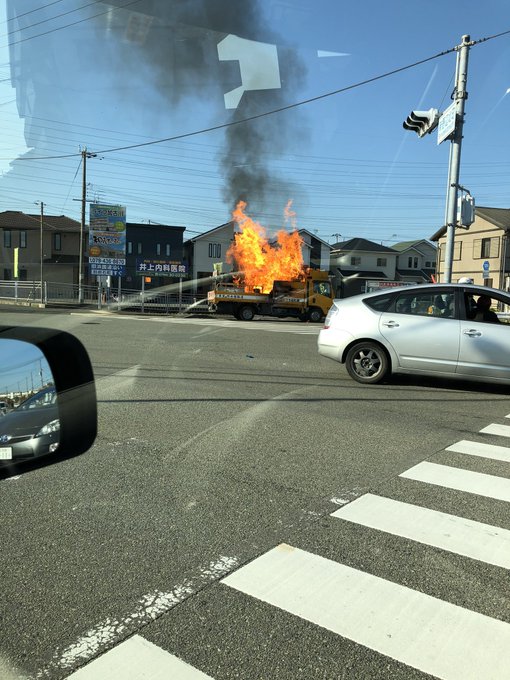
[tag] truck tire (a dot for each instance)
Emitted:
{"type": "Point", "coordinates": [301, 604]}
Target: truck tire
{"type": "Point", "coordinates": [246, 313]}
{"type": "Point", "coordinates": [315, 315]}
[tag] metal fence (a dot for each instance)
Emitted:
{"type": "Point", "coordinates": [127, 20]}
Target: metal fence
{"type": "Point", "coordinates": [149, 302]}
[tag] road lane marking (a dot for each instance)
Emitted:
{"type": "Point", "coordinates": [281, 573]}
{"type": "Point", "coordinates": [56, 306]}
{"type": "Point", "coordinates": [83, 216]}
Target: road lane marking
{"type": "Point", "coordinates": [152, 605]}
{"type": "Point", "coordinates": [137, 658]}
{"type": "Point", "coordinates": [482, 450]}
{"type": "Point", "coordinates": [461, 480]}
{"type": "Point", "coordinates": [297, 328]}
{"type": "Point", "coordinates": [458, 535]}
{"type": "Point", "coordinates": [436, 637]}
{"type": "Point", "coordinates": [500, 430]}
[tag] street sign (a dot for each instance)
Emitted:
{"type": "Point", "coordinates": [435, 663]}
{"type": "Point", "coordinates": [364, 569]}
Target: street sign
{"type": "Point", "coordinates": [446, 123]}
{"type": "Point", "coordinates": [486, 266]}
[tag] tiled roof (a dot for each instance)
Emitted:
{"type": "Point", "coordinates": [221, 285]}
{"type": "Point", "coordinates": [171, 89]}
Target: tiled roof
{"type": "Point", "coordinates": [405, 245]}
{"type": "Point", "coordinates": [11, 219]}
{"type": "Point", "coordinates": [499, 217]}
{"type": "Point", "coordinates": [361, 244]}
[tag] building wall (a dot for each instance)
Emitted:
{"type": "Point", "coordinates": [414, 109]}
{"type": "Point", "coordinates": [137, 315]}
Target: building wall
{"type": "Point", "coordinates": [142, 242]}
{"type": "Point", "coordinates": [207, 250]}
{"type": "Point", "coordinates": [29, 257]}
{"type": "Point", "coordinates": [425, 253]}
{"type": "Point", "coordinates": [368, 261]}
{"type": "Point", "coordinates": [472, 249]}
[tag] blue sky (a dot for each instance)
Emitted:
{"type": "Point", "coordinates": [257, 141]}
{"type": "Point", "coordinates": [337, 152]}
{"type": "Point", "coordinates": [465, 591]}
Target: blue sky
{"type": "Point", "coordinates": [21, 366]}
{"type": "Point", "coordinates": [345, 160]}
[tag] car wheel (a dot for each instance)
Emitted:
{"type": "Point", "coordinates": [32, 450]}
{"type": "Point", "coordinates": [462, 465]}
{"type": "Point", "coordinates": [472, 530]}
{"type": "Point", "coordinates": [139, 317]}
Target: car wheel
{"type": "Point", "coordinates": [315, 315]}
{"type": "Point", "coordinates": [246, 313]}
{"type": "Point", "coordinates": [367, 362]}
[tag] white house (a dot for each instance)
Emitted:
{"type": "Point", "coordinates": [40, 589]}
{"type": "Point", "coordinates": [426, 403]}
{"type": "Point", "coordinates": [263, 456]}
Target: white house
{"type": "Point", "coordinates": [357, 261]}
{"type": "Point", "coordinates": [416, 260]}
{"type": "Point", "coordinates": [204, 251]}
{"type": "Point", "coordinates": [316, 252]}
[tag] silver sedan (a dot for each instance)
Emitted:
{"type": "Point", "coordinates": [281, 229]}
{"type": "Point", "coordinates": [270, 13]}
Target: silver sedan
{"type": "Point", "coordinates": [447, 330]}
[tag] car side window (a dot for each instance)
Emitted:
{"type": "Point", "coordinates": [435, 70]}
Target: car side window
{"type": "Point", "coordinates": [484, 308]}
{"type": "Point", "coordinates": [379, 303]}
{"type": "Point", "coordinates": [426, 304]}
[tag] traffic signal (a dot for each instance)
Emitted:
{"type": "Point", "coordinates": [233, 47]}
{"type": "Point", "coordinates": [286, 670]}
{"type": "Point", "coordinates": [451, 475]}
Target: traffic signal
{"type": "Point", "coordinates": [422, 122]}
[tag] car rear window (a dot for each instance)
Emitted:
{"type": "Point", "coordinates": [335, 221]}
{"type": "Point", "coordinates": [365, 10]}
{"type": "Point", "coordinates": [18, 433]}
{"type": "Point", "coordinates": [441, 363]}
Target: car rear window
{"type": "Point", "coordinates": [379, 303]}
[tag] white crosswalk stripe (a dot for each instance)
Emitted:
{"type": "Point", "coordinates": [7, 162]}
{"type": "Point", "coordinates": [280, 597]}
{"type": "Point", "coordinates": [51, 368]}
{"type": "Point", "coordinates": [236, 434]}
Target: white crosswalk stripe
{"type": "Point", "coordinates": [421, 631]}
{"type": "Point", "coordinates": [138, 659]}
{"type": "Point", "coordinates": [461, 480]}
{"type": "Point", "coordinates": [429, 634]}
{"type": "Point", "coordinates": [482, 450]}
{"type": "Point", "coordinates": [499, 430]}
{"type": "Point", "coordinates": [456, 534]}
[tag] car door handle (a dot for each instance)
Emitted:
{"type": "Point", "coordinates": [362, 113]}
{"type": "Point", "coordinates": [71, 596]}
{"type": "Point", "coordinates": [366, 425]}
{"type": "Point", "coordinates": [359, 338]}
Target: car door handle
{"type": "Point", "coordinates": [472, 333]}
{"type": "Point", "coordinates": [391, 324]}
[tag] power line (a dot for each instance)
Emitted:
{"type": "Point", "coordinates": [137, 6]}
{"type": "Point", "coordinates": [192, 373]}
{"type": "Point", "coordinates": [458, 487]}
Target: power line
{"type": "Point", "coordinates": [37, 9]}
{"type": "Point", "coordinates": [287, 107]}
{"type": "Point", "coordinates": [45, 21]}
{"type": "Point", "coordinates": [74, 23]}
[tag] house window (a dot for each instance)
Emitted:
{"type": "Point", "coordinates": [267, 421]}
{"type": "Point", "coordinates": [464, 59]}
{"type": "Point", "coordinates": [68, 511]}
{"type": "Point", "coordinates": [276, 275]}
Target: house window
{"type": "Point", "coordinates": [7, 274]}
{"type": "Point", "coordinates": [215, 250]}
{"type": "Point", "coordinates": [428, 264]}
{"type": "Point", "coordinates": [57, 241]}
{"type": "Point", "coordinates": [415, 263]}
{"type": "Point", "coordinates": [355, 261]}
{"type": "Point", "coordinates": [22, 274]}
{"type": "Point", "coordinates": [139, 249]}
{"type": "Point", "coordinates": [158, 248]}
{"type": "Point", "coordinates": [485, 247]}
{"type": "Point", "coordinates": [457, 250]}
{"type": "Point", "coordinates": [130, 248]}
{"type": "Point", "coordinates": [382, 261]}
{"type": "Point", "coordinates": [23, 239]}
{"type": "Point", "coordinates": [409, 262]}
{"type": "Point", "coordinates": [7, 238]}
{"type": "Point", "coordinates": [167, 250]}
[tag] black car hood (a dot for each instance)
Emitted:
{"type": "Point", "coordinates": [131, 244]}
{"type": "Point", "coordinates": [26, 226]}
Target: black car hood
{"type": "Point", "coordinates": [29, 422]}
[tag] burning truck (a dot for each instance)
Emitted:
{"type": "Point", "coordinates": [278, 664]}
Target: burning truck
{"type": "Point", "coordinates": [271, 279]}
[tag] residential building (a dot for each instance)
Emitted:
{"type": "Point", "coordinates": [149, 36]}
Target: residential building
{"type": "Point", "coordinates": [486, 241]}
{"type": "Point", "coordinates": [416, 261]}
{"type": "Point", "coordinates": [60, 246]}
{"type": "Point", "coordinates": [152, 242]}
{"type": "Point", "coordinates": [204, 251]}
{"type": "Point", "coordinates": [316, 252]}
{"type": "Point", "coordinates": [357, 261]}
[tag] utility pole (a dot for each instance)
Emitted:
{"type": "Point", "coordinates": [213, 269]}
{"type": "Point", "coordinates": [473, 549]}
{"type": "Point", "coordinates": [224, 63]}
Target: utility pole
{"type": "Point", "coordinates": [84, 155]}
{"type": "Point", "coordinates": [42, 251]}
{"type": "Point", "coordinates": [455, 150]}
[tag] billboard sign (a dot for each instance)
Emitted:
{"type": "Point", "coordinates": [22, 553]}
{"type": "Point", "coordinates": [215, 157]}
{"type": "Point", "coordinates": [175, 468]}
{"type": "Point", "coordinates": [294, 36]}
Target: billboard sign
{"type": "Point", "coordinates": [165, 268]}
{"type": "Point", "coordinates": [107, 240]}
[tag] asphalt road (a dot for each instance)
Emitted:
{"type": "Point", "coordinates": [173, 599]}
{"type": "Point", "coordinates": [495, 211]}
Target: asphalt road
{"type": "Point", "coordinates": [218, 442]}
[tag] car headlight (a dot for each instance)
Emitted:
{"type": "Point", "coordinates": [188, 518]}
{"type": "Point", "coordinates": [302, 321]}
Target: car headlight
{"type": "Point", "coordinates": [53, 426]}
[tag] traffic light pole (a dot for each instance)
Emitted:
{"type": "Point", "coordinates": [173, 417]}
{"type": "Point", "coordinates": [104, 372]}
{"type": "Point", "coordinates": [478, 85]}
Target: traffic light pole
{"type": "Point", "coordinates": [455, 150]}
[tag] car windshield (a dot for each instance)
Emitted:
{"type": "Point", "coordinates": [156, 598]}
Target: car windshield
{"type": "Point", "coordinates": [270, 223]}
{"type": "Point", "coordinates": [40, 400]}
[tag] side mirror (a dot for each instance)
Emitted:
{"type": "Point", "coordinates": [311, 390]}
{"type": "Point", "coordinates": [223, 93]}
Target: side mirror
{"type": "Point", "coordinates": [48, 407]}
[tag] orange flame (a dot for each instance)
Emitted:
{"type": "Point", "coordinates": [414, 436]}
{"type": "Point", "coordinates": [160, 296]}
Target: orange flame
{"type": "Point", "coordinates": [260, 262]}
